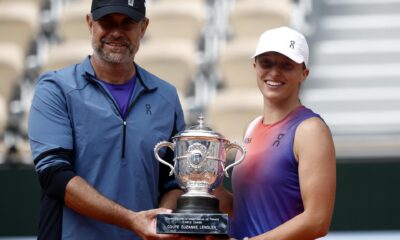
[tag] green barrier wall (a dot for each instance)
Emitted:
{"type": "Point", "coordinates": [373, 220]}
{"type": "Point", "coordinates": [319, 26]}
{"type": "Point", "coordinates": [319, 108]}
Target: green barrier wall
{"type": "Point", "coordinates": [367, 198]}
{"type": "Point", "coordinates": [19, 201]}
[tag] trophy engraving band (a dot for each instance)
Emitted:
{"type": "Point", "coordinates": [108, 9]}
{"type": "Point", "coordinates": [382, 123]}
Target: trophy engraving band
{"type": "Point", "coordinates": [192, 223]}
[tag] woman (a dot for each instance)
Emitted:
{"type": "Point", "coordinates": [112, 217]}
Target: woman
{"type": "Point", "coordinates": [285, 187]}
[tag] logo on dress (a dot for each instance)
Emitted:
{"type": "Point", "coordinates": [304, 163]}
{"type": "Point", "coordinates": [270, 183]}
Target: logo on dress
{"type": "Point", "coordinates": [131, 2]}
{"type": "Point", "coordinates": [278, 139]}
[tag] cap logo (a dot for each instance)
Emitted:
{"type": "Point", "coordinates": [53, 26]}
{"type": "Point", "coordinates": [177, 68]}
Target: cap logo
{"type": "Point", "coordinates": [292, 44]}
{"type": "Point", "coordinates": [131, 2]}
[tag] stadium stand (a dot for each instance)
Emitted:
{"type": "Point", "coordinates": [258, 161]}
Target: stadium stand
{"type": "Point", "coordinates": [72, 23]}
{"type": "Point", "coordinates": [171, 47]}
{"type": "Point", "coordinates": [3, 115]}
{"type": "Point", "coordinates": [57, 58]}
{"type": "Point", "coordinates": [71, 36]}
{"type": "Point", "coordinates": [176, 19]}
{"type": "Point", "coordinates": [161, 58]}
{"type": "Point", "coordinates": [354, 78]}
{"type": "Point", "coordinates": [11, 67]}
{"type": "Point", "coordinates": [235, 63]}
{"type": "Point", "coordinates": [353, 42]}
{"type": "Point", "coordinates": [36, 2]}
{"type": "Point", "coordinates": [249, 18]}
{"type": "Point", "coordinates": [231, 111]}
{"type": "Point", "coordinates": [237, 100]}
{"type": "Point", "coordinates": [19, 22]}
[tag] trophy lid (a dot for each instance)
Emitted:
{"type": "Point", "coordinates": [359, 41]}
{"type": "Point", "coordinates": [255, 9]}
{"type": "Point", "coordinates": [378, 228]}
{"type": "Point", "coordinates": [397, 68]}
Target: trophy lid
{"type": "Point", "coordinates": [200, 130]}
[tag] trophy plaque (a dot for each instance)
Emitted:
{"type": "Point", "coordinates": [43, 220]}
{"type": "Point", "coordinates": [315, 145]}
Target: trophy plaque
{"type": "Point", "coordinates": [199, 167]}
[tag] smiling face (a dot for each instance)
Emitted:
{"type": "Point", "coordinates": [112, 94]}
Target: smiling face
{"type": "Point", "coordinates": [279, 77]}
{"type": "Point", "coordinates": [116, 37]}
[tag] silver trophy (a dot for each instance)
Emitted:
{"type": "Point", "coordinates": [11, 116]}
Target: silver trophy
{"type": "Point", "coordinates": [199, 166]}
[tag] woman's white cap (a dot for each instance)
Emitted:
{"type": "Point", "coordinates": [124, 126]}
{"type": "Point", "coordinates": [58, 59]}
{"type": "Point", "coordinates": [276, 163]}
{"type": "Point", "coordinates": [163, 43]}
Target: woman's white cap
{"type": "Point", "coordinates": [285, 41]}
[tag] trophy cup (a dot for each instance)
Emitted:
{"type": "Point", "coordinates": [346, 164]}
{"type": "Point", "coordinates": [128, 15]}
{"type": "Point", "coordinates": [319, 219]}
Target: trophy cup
{"type": "Point", "coordinates": [199, 166]}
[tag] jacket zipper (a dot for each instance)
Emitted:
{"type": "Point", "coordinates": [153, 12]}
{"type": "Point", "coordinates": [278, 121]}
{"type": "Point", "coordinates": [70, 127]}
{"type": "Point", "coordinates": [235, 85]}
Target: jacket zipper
{"type": "Point", "coordinates": [124, 123]}
{"type": "Point", "coordinates": [123, 139]}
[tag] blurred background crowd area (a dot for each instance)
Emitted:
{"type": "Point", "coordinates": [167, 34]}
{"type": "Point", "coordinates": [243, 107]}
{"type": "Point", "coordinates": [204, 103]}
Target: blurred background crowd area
{"type": "Point", "coordinates": [203, 47]}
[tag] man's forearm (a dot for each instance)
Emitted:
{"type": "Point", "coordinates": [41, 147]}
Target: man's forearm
{"type": "Point", "coordinates": [84, 199]}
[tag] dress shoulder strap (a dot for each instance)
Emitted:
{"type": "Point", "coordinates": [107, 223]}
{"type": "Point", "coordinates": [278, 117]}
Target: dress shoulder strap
{"type": "Point", "coordinates": [251, 126]}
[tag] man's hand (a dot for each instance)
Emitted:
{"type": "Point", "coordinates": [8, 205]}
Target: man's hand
{"type": "Point", "coordinates": [144, 224]}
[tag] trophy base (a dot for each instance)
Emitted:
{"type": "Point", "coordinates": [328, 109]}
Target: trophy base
{"type": "Point", "coordinates": [190, 204]}
{"type": "Point", "coordinates": [195, 216]}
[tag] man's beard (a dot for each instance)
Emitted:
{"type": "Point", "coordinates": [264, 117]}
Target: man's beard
{"type": "Point", "coordinates": [114, 57]}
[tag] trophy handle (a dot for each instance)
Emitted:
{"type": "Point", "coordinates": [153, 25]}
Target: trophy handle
{"type": "Point", "coordinates": [157, 148]}
{"type": "Point", "coordinates": [239, 148]}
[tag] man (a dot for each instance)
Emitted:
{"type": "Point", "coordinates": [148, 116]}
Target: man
{"type": "Point", "coordinates": [92, 130]}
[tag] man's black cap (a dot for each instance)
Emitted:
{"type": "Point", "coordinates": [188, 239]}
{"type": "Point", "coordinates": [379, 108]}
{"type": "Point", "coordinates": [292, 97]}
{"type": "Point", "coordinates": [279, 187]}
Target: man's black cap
{"type": "Point", "coordinates": [134, 9]}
